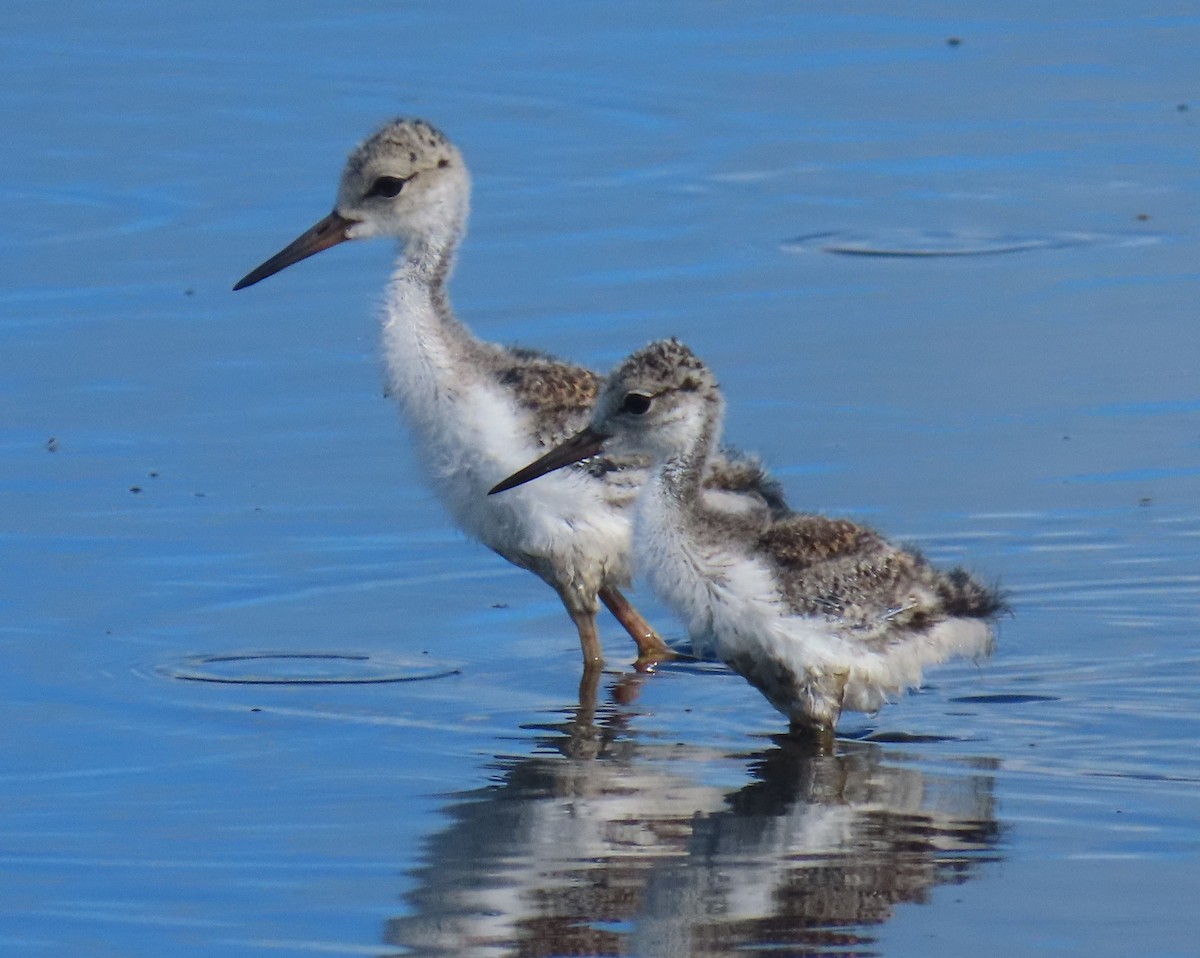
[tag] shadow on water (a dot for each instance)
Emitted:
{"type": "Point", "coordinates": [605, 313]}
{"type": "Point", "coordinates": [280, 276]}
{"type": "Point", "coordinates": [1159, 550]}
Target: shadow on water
{"type": "Point", "coordinates": [607, 842]}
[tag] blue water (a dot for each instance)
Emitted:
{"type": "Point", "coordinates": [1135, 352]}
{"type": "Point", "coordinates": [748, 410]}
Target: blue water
{"type": "Point", "coordinates": [1023, 401]}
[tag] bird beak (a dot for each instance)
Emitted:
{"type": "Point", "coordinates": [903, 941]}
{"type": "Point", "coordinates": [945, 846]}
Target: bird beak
{"type": "Point", "coordinates": [332, 230]}
{"type": "Point", "coordinates": [580, 446]}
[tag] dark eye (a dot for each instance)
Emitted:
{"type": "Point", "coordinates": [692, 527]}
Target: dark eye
{"type": "Point", "coordinates": [637, 403]}
{"type": "Point", "coordinates": [387, 186]}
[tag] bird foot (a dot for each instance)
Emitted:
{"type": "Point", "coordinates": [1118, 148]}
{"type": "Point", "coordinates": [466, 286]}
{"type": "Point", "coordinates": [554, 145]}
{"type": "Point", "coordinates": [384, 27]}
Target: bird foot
{"type": "Point", "coordinates": [820, 739]}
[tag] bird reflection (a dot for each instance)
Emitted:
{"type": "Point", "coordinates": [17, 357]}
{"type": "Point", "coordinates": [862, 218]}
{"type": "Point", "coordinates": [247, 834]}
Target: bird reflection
{"type": "Point", "coordinates": [604, 842]}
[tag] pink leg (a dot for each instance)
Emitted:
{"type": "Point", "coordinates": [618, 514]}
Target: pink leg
{"type": "Point", "coordinates": [651, 648]}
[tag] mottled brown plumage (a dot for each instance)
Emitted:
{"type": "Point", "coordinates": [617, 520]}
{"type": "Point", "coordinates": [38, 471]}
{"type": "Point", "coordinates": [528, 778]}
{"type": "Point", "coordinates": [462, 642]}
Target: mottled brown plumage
{"type": "Point", "coordinates": [818, 613]}
{"type": "Point", "coordinates": [558, 395]}
{"type": "Point", "coordinates": [839, 569]}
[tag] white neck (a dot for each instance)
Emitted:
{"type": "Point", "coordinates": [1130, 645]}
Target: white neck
{"type": "Point", "coordinates": [681, 474]}
{"type": "Point", "coordinates": [664, 553]}
{"type": "Point", "coordinates": [428, 352]}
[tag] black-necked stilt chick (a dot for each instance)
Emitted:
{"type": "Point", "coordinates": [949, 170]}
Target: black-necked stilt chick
{"type": "Point", "coordinates": [480, 410]}
{"type": "Point", "coordinates": [819, 614]}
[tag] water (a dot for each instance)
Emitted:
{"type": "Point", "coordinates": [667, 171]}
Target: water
{"type": "Point", "coordinates": [1024, 401]}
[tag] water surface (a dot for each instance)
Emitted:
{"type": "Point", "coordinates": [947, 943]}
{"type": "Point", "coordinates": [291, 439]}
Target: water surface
{"type": "Point", "coordinates": [190, 476]}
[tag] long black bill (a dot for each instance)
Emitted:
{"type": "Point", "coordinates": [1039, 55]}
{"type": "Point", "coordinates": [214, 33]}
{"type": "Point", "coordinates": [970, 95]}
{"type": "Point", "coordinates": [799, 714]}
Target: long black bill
{"type": "Point", "coordinates": [580, 446]}
{"type": "Point", "coordinates": [329, 232]}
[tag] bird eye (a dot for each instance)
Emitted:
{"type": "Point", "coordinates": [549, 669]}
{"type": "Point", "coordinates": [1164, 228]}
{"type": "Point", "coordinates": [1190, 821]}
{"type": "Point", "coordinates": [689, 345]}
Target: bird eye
{"type": "Point", "coordinates": [637, 403]}
{"type": "Point", "coordinates": [387, 186]}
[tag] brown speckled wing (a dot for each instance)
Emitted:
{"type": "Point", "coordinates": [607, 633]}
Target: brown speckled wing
{"type": "Point", "coordinates": [839, 569]}
{"type": "Point", "coordinates": [559, 395]}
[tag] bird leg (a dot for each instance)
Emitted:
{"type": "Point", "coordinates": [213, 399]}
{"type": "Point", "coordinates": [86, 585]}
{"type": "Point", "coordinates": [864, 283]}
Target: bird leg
{"type": "Point", "coordinates": [589, 638]}
{"type": "Point", "coordinates": [651, 648]}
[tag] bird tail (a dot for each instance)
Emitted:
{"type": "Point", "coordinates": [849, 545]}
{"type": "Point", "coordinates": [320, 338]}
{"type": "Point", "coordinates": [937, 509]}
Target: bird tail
{"type": "Point", "coordinates": [965, 596]}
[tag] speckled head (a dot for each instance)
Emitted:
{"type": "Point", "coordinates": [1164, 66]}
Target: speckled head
{"type": "Point", "coordinates": [662, 367]}
{"type": "Point", "coordinates": [406, 181]}
{"type": "Point", "coordinates": [415, 141]}
{"type": "Point", "coordinates": [661, 401]}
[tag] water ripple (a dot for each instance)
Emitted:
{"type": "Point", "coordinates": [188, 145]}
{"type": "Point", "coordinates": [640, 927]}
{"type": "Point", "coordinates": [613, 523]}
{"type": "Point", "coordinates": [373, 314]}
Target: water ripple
{"type": "Point", "coordinates": [301, 668]}
{"type": "Point", "coordinates": [916, 243]}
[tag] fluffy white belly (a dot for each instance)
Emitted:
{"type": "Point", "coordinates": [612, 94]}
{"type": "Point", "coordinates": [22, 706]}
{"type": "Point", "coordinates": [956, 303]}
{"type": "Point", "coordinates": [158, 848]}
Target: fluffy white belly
{"type": "Point", "coordinates": [559, 521]}
{"type": "Point", "coordinates": [734, 612]}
